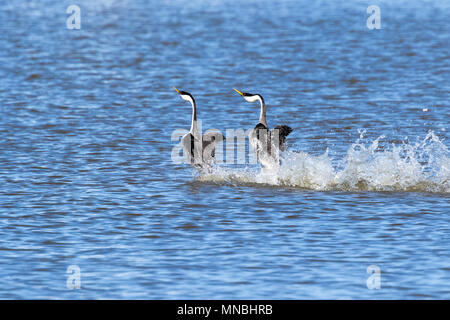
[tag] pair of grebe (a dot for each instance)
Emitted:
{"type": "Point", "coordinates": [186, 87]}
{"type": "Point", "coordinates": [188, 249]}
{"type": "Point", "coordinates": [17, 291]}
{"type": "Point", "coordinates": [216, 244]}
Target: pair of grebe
{"type": "Point", "coordinates": [200, 149]}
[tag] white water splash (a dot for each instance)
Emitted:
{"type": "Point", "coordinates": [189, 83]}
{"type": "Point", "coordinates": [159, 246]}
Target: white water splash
{"type": "Point", "coordinates": [423, 166]}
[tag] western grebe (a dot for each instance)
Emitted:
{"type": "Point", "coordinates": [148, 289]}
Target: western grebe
{"type": "Point", "coordinates": [266, 143]}
{"type": "Point", "coordinates": [199, 150]}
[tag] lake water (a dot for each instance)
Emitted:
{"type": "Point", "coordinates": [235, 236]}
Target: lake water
{"type": "Point", "coordinates": [87, 178]}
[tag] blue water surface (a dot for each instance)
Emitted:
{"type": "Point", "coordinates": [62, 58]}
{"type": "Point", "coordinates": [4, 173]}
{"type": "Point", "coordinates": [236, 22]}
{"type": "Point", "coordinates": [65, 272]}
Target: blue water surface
{"type": "Point", "coordinates": [87, 179]}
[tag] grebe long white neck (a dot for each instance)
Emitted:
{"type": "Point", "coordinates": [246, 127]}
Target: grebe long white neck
{"type": "Point", "coordinates": [262, 114]}
{"type": "Point", "coordinates": [188, 97]}
{"type": "Point", "coordinates": [194, 116]}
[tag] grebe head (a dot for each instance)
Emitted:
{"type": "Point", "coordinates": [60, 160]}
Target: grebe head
{"type": "Point", "coordinates": [185, 95]}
